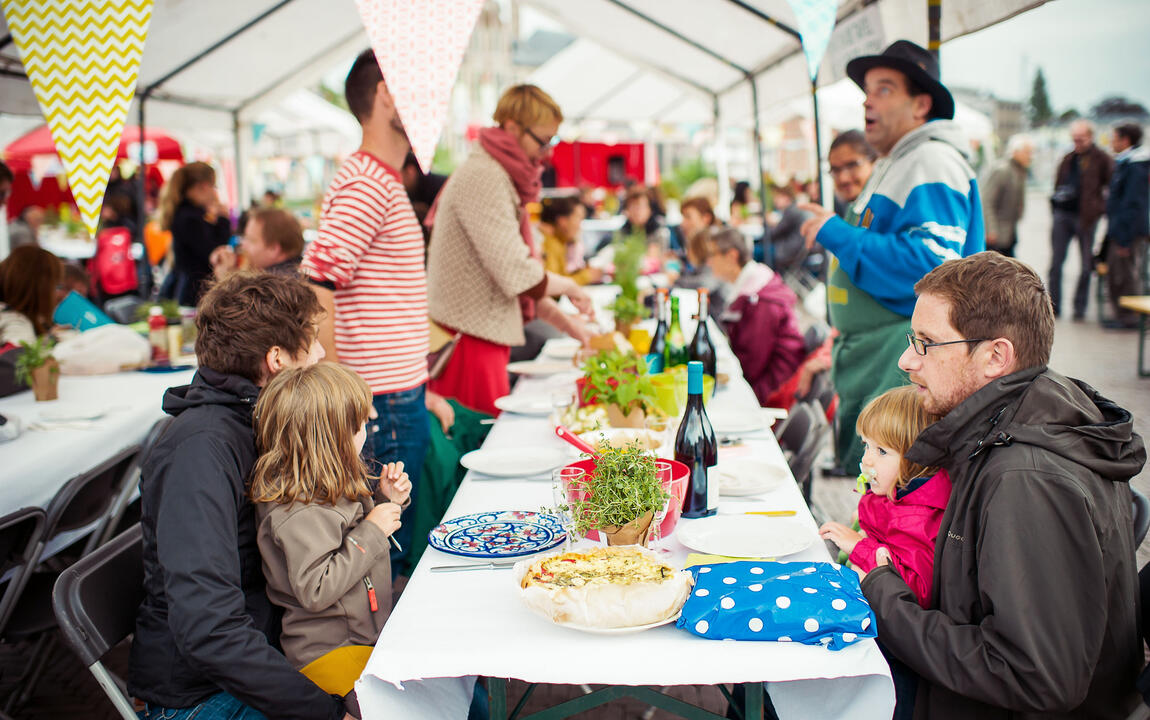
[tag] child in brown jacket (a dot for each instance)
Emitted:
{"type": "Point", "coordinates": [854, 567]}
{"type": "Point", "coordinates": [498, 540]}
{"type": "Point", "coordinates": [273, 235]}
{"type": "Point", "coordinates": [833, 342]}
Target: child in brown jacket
{"type": "Point", "coordinates": [321, 533]}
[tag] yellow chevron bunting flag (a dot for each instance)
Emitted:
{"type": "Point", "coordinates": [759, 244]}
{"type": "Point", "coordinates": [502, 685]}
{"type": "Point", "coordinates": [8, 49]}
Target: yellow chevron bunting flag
{"type": "Point", "coordinates": [83, 59]}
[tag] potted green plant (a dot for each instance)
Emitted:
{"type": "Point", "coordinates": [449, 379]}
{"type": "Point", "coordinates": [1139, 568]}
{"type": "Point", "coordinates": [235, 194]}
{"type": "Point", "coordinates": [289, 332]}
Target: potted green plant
{"type": "Point", "coordinates": [626, 308]}
{"type": "Point", "coordinates": [38, 368]}
{"type": "Point", "coordinates": [618, 380]}
{"type": "Point", "coordinates": [620, 497]}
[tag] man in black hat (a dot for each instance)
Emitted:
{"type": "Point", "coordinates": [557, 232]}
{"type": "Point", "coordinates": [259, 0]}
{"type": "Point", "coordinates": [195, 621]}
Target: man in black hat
{"type": "Point", "coordinates": [920, 207]}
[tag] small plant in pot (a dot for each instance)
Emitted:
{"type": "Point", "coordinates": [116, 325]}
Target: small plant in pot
{"type": "Point", "coordinates": [37, 368]}
{"type": "Point", "coordinates": [618, 380]}
{"type": "Point", "coordinates": [621, 497]}
{"type": "Point", "coordinates": [626, 308]}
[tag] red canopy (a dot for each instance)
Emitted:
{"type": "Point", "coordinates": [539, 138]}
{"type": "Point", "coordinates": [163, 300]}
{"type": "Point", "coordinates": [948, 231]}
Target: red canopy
{"type": "Point", "coordinates": [19, 153]}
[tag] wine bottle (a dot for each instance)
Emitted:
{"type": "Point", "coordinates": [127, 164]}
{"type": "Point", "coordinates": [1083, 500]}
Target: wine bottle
{"type": "Point", "coordinates": [702, 348]}
{"type": "Point", "coordinates": [676, 352]}
{"type": "Point", "coordinates": [696, 448]}
{"type": "Point", "coordinates": [656, 354]}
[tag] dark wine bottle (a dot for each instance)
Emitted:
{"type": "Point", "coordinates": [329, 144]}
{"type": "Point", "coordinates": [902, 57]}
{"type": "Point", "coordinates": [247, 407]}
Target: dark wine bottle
{"type": "Point", "coordinates": [656, 354]}
{"type": "Point", "coordinates": [676, 352]}
{"type": "Point", "coordinates": [696, 448]}
{"type": "Point", "coordinates": [702, 348]}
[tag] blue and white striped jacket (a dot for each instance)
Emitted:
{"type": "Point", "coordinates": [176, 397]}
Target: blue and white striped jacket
{"type": "Point", "coordinates": [920, 207]}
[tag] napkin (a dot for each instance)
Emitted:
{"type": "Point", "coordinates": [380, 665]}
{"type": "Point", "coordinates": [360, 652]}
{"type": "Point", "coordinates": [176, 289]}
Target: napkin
{"type": "Point", "coordinates": [804, 602]}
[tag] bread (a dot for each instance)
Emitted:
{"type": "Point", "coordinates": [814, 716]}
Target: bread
{"type": "Point", "coordinates": [611, 587]}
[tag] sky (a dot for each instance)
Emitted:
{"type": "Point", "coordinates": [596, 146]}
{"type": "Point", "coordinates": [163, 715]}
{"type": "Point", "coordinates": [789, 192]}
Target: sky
{"type": "Point", "coordinates": [1087, 49]}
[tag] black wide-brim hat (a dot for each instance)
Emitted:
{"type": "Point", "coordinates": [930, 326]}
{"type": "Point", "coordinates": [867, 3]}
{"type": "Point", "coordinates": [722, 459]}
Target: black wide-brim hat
{"type": "Point", "coordinates": [918, 64]}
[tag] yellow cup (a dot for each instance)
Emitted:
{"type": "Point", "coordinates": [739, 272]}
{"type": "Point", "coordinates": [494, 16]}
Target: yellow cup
{"type": "Point", "coordinates": [640, 339]}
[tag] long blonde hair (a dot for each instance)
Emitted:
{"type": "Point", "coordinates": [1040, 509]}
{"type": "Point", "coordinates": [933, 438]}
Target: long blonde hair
{"type": "Point", "coordinates": [306, 420]}
{"type": "Point", "coordinates": [894, 420]}
{"type": "Point", "coordinates": [176, 191]}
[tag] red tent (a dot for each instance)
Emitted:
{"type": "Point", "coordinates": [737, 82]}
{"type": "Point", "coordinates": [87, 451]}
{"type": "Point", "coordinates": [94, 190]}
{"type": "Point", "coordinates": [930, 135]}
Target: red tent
{"type": "Point", "coordinates": [52, 192]}
{"type": "Point", "coordinates": [19, 153]}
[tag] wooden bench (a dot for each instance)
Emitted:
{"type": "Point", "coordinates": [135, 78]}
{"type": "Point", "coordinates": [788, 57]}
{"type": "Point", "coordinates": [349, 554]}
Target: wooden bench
{"type": "Point", "coordinates": [1141, 305]}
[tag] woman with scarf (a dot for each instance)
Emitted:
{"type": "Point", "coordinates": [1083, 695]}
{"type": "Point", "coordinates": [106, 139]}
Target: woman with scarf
{"type": "Point", "coordinates": [485, 278]}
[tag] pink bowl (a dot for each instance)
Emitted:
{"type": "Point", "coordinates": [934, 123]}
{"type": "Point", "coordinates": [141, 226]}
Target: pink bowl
{"type": "Point", "coordinates": [672, 475]}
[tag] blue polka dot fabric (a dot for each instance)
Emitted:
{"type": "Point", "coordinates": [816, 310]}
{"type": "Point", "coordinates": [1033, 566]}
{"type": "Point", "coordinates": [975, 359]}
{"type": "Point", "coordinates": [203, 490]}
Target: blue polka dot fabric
{"type": "Point", "coordinates": [810, 603]}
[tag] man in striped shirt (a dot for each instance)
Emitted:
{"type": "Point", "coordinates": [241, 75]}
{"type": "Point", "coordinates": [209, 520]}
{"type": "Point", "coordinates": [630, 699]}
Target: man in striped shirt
{"type": "Point", "coordinates": [367, 269]}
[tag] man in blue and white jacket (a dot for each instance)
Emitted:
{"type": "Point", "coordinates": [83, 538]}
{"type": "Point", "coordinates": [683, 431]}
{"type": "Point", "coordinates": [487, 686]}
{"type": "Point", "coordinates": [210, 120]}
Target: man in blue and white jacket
{"type": "Point", "coordinates": [920, 207]}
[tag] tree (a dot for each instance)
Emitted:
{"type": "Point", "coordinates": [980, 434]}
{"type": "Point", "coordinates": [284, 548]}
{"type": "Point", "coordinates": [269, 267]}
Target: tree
{"type": "Point", "coordinates": [1069, 115]}
{"type": "Point", "coordinates": [1117, 106]}
{"type": "Point", "coordinates": [1038, 109]}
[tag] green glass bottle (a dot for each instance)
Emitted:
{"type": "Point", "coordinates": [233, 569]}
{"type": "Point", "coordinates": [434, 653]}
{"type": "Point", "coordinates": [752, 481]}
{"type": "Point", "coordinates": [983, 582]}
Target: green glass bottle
{"type": "Point", "coordinates": [676, 352]}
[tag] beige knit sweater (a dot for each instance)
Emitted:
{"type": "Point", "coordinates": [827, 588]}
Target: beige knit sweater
{"type": "Point", "coordinates": [477, 263]}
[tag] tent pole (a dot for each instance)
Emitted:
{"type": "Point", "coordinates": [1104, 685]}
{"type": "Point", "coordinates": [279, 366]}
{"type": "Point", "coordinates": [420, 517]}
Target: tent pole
{"type": "Point", "coordinates": [768, 250]}
{"type": "Point", "coordinates": [818, 141]}
{"type": "Point", "coordinates": [239, 170]}
{"type": "Point", "coordinates": [722, 169]}
{"type": "Point", "coordinates": [934, 26]}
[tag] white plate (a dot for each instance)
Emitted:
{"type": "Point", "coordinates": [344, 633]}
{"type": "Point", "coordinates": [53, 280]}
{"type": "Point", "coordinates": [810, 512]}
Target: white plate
{"type": "Point", "coordinates": [514, 462]}
{"type": "Point", "coordinates": [562, 348]}
{"type": "Point", "coordinates": [748, 476]}
{"type": "Point", "coordinates": [622, 630]}
{"type": "Point", "coordinates": [540, 367]}
{"type": "Point", "coordinates": [745, 536]}
{"type": "Point", "coordinates": [71, 412]}
{"type": "Point", "coordinates": [738, 422]}
{"type": "Point", "coordinates": [525, 405]}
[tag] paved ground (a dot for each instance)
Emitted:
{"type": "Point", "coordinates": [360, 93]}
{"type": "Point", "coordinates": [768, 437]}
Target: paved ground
{"type": "Point", "coordinates": [1102, 358]}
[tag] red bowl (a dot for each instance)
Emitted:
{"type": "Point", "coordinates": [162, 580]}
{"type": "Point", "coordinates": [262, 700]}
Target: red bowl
{"type": "Point", "coordinates": [672, 475]}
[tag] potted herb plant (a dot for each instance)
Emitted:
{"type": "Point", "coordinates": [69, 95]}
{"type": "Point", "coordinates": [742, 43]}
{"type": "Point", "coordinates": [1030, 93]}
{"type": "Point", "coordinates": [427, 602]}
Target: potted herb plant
{"type": "Point", "coordinates": [626, 308]}
{"type": "Point", "coordinates": [620, 497]}
{"type": "Point", "coordinates": [618, 380]}
{"type": "Point", "coordinates": [38, 368]}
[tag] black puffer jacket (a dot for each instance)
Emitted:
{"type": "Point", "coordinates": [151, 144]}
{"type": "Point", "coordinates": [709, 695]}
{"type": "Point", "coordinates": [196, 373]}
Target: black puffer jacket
{"type": "Point", "coordinates": [1035, 601]}
{"type": "Point", "coordinates": [206, 624]}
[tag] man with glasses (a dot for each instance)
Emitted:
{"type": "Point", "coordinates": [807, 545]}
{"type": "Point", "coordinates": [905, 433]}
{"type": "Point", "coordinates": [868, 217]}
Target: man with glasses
{"type": "Point", "coordinates": [919, 207]}
{"type": "Point", "coordinates": [1034, 607]}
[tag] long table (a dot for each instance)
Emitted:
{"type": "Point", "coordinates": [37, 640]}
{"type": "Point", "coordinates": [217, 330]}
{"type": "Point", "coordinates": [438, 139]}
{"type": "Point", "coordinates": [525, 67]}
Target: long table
{"type": "Point", "coordinates": [34, 466]}
{"type": "Point", "coordinates": [450, 627]}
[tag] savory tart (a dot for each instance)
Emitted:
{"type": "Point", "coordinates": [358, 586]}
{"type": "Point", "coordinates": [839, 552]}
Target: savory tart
{"type": "Point", "coordinates": [611, 587]}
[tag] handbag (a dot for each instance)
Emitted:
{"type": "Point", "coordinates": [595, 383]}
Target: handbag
{"type": "Point", "coordinates": [442, 346]}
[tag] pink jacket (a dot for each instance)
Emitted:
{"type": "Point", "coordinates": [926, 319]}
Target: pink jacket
{"type": "Point", "coordinates": [906, 527]}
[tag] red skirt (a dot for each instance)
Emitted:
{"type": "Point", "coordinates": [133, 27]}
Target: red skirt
{"type": "Point", "coordinates": [475, 375]}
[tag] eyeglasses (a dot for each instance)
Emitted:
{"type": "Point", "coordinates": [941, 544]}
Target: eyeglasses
{"type": "Point", "coordinates": [921, 345]}
{"type": "Point", "coordinates": [550, 142]}
{"type": "Point", "coordinates": [847, 167]}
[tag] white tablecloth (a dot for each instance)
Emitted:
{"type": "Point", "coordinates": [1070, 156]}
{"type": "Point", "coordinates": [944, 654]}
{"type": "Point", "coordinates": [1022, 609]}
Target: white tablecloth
{"type": "Point", "coordinates": [39, 462]}
{"type": "Point", "coordinates": [473, 623]}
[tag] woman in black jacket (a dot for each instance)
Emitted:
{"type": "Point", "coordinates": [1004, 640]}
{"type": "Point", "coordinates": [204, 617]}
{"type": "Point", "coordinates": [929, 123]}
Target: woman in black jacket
{"type": "Point", "coordinates": [192, 211]}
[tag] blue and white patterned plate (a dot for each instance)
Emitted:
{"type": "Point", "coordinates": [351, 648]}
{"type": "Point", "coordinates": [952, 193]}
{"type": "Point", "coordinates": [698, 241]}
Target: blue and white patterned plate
{"type": "Point", "coordinates": [498, 534]}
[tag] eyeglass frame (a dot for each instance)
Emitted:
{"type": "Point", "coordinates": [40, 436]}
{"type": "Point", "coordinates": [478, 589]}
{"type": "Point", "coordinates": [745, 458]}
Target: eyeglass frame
{"type": "Point", "coordinates": [552, 142]}
{"type": "Point", "coordinates": [914, 342]}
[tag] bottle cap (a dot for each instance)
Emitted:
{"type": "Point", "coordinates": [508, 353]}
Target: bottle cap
{"type": "Point", "coordinates": [694, 378]}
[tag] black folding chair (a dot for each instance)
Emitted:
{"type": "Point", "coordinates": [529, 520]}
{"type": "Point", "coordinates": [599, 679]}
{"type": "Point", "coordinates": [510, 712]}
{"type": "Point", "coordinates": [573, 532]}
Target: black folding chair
{"type": "Point", "coordinates": [96, 600]}
{"type": "Point", "coordinates": [80, 504]}
{"type": "Point", "coordinates": [1141, 516]}
{"type": "Point", "coordinates": [801, 437]}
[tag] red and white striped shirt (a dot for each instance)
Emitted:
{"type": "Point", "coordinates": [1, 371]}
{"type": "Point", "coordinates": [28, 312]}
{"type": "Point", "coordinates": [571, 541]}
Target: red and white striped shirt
{"type": "Point", "coordinates": [370, 248]}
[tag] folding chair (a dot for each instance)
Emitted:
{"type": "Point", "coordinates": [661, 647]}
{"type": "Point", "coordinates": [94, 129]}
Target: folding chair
{"type": "Point", "coordinates": [801, 438]}
{"type": "Point", "coordinates": [129, 484]}
{"type": "Point", "coordinates": [1141, 516]}
{"type": "Point", "coordinates": [79, 505]}
{"type": "Point", "coordinates": [20, 535]}
{"type": "Point", "coordinates": [96, 601]}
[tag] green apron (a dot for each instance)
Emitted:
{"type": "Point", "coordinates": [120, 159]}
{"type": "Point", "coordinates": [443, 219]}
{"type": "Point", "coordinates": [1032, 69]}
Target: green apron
{"type": "Point", "coordinates": [864, 360]}
{"type": "Point", "coordinates": [442, 473]}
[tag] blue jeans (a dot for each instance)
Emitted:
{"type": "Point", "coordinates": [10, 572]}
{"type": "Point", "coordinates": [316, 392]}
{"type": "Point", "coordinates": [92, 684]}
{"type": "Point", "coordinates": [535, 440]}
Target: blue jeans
{"type": "Point", "coordinates": [220, 706]}
{"type": "Point", "coordinates": [401, 433]}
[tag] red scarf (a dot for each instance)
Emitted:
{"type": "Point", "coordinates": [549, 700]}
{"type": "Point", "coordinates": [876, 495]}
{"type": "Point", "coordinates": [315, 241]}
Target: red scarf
{"type": "Point", "coordinates": [525, 175]}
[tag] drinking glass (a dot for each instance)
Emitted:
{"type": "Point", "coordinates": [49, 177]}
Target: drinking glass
{"type": "Point", "coordinates": [561, 402]}
{"type": "Point", "coordinates": [565, 484]}
{"type": "Point", "coordinates": [658, 427]}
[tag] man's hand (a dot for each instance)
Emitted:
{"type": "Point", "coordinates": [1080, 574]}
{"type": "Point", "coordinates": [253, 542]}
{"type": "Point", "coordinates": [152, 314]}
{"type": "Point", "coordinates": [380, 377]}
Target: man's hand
{"type": "Point", "coordinates": [223, 260]}
{"type": "Point", "coordinates": [840, 535]}
{"type": "Point", "coordinates": [811, 227]}
{"type": "Point", "coordinates": [438, 406]}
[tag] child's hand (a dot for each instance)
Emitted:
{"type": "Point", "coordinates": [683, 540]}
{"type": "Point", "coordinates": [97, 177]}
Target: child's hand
{"type": "Point", "coordinates": [386, 517]}
{"type": "Point", "coordinates": [840, 535]}
{"type": "Point", "coordinates": [394, 483]}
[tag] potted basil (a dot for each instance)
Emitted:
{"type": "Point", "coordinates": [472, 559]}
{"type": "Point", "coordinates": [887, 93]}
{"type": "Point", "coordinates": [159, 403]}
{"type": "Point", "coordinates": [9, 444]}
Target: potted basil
{"type": "Point", "coordinates": [618, 380]}
{"type": "Point", "coordinates": [626, 307]}
{"type": "Point", "coordinates": [38, 368]}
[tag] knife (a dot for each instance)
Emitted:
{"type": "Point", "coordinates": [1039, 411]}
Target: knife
{"type": "Point", "coordinates": [504, 565]}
